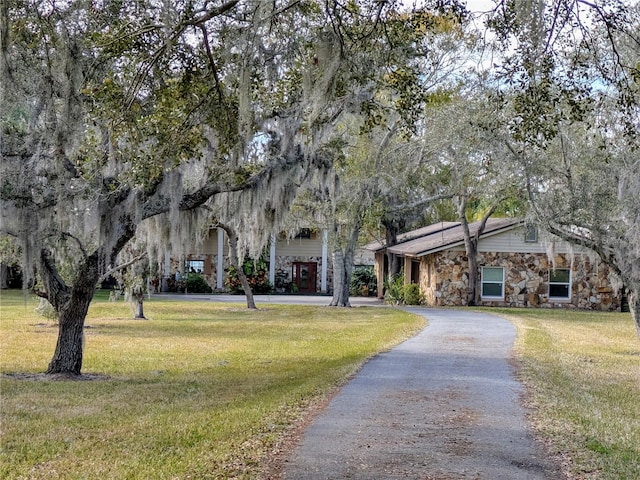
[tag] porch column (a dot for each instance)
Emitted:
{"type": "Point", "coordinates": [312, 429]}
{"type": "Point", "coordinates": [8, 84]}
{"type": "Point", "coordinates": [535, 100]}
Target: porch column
{"type": "Point", "coordinates": [323, 272]}
{"type": "Point", "coordinates": [272, 261]}
{"type": "Point", "coordinates": [379, 269]}
{"type": "Point", "coordinates": [220, 264]}
{"type": "Point", "coordinates": [164, 287]}
{"type": "Point", "coordinates": [407, 270]}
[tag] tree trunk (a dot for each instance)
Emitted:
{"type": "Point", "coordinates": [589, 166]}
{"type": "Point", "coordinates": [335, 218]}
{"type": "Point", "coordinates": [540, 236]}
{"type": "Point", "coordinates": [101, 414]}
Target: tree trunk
{"type": "Point", "coordinates": [245, 286]}
{"type": "Point", "coordinates": [471, 249]}
{"type": "Point", "coordinates": [472, 293]}
{"type": "Point", "coordinates": [67, 358]}
{"type": "Point", "coordinates": [343, 265]}
{"type": "Point", "coordinates": [341, 280]}
{"type": "Point", "coordinates": [235, 263]}
{"type": "Point", "coordinates": [138, 302]}
{"type": "Point", "coordinates": [71, 304]}
{"type": "Point", "coordinates": [391, 237]}
{"type": "Point", "coordinates": [634, 307]}
{"type": "Point", "coordinates": [3, 275]}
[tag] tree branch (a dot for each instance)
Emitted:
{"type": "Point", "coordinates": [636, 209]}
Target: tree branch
{"type": "Point", "coordinates": [211, 13]}
{"type": "Point", "coordinates": [57, 291]}
{"type": "Point", "coordinates": [110, 272]}
{"type": "Point", "coordinates": [193, 200]}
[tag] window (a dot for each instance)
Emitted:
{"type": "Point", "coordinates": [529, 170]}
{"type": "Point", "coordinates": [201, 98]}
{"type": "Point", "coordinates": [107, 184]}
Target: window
{"type": "Point", "coordinates": [194, 266]}
{"type": "Point", "coordinates": [492, 282]}
{"type": "Point", "coordinates": [531, 234]}
{"type": "Point", "coordinates": [560, 283]}
{"type": "Point", "coordinates": [304, 233]}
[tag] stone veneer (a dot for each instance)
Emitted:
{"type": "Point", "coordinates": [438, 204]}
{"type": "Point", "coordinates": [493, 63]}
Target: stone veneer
{"type": "Point", "coordinates": [444, 280]}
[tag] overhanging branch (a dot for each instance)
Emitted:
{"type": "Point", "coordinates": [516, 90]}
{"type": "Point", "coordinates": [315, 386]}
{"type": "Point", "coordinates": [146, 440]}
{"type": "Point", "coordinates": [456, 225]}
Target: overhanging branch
{"type": "Point", "coordinates": [110, 272]}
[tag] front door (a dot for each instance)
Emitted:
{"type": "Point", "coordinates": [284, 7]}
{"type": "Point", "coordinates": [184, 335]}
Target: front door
{"type": "Point", "coordinates": [304, 276]}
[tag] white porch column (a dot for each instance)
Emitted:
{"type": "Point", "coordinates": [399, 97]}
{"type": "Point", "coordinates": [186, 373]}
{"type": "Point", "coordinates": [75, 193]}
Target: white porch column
{"type": "Point", "coordinates": [323, 272]}
{"type": "Point", "coordinates": [272, 261]}
{"type": "Point", "coordinates": [220, 264]}
{"type": "Point", "coordinates": [166, 273]}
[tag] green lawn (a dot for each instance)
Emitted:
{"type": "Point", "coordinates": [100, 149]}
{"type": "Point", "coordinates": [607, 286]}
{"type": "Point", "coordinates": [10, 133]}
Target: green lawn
{"type": "Point", "coordinates": [207, 390]}
{"type": "Point", "coordinates": [582, 370]}
{"type": "Point", "coordinates": [201, 390]}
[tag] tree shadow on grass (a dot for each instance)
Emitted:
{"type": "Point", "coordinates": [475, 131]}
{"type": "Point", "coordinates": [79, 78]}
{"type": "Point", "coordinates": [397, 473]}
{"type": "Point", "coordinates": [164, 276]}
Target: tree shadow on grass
{"type": "Point", "coordinates": [56, 377]}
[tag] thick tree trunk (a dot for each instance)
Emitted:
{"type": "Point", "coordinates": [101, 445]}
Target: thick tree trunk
{"type": "Point", "coordinates": [394, 266]}
{"type": "Point", "coordinates": [138, 303]}
{"type": "Point", "coordinates": [472, 296]}
{"type": "Point", "coordinates": [634, 307]}
{"type": "Point", "coordinates": [71, 304]}
{"type": "Point", "coordinates": [471, 249]}
{"type": "Point", "coordinates": [343, 265]}
{"type": "Point", "coordinates": [3, 275]}
{"type": "Point", "coordinates": [391, 237]}
{"type": "Point", "coordinates": [341, 280]}
{"type": "Point", "coordinates": [67, 358]}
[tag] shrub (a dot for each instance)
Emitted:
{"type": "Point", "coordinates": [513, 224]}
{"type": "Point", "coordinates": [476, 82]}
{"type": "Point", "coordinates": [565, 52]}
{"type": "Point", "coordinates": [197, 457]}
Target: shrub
{"type": "Point", "coordinates": [412, 295]}
{"type": "Point", "coordinates": [363, 281]}
{"type": "Point", "coordinates": [397, 293]}
{"type": "Point", "coordinates": [195, 283]}
{"type": "Point", "coordinates": [393, 290]}
{"type": "Point", "coordinates": [257, 275]}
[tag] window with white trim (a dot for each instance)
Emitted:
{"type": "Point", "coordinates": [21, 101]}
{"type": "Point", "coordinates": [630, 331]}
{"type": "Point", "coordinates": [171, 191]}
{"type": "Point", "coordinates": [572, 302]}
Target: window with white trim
{"type": "Point", "coordinates": [560, 284]}
{"type": "Point", "coordinates": [531, 234]}
{"type": "Point", "coordinates": [194, 266]}
{"type": "Point", "coordinates": [492, 282]}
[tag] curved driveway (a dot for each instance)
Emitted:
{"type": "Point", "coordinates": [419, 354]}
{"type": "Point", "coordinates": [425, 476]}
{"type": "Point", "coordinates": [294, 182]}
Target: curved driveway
{"type": "Point", "coordinates": [443, 405]}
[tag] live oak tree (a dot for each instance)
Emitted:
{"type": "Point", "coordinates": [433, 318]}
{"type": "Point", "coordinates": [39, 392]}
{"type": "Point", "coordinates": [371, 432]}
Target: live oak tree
{"type": "Point", "coordinates": [468, 151]}
{"type": "Point", "coordinates": [116, 114]}
{"type": "Point", "coordinates": [378, 174]}
{"type": "Point", "coordinates": [584, 187]}
{"type": "Point", "coordinates": [571, 86]}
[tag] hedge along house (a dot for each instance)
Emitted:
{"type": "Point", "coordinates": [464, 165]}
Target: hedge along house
{"type": "Point", "coordinates": [298, 264]}
{"type": "Point", "coordinates": [517, 267]}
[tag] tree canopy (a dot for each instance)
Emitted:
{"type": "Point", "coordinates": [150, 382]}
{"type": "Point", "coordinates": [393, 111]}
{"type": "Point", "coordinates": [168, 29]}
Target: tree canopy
{"type": "Point", "coordinates": [116, 114]}
{"type": "Point", "coordinates": [157, 118]}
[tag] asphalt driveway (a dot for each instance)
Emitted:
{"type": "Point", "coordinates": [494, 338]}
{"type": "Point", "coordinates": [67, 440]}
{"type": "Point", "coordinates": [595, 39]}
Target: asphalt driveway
{"type": "Point", "coordinates": [443, 405]}
{"type": "Point", "coordinates": [265, 299]}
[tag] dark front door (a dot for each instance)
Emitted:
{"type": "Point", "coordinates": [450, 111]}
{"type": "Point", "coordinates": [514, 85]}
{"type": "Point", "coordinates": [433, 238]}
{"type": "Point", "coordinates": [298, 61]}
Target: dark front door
{"type": "Point", "coordinates": [415, 272]}
{"type": "Point", "coordinates": [304, 276]}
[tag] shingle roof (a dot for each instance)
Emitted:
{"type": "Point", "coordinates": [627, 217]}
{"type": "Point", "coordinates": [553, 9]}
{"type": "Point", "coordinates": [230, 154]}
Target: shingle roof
{"type": "Point", "coordinates": [413, 234]}
{"type": "Point", "coordinates": [441, 236]}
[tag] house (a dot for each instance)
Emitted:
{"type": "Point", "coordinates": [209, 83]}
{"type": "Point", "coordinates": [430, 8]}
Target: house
{"type": "Point", "coordinates": [300, 264]}
{"type": "Point", "coordinates": [518, 267]}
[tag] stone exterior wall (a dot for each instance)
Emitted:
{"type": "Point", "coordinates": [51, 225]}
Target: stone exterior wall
{"type": "Point", "coordinates": [444, 280]}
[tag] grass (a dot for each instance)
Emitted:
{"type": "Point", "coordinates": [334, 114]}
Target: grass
{"type": "Point", "coordinates": [582, 372]}
{"type": "Point", "coordinates": [201, 390]}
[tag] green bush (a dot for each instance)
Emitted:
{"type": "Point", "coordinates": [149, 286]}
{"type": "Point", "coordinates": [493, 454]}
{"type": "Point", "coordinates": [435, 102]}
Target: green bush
{"type": "Point", "coordinates": [412, 295]}
{"type": "Point", "coordinates": [393, 290]}
{"type": "Point", "coordinates": [257, 273]}
{"type": "Point", "coordinates": [397, 293]}
{"type": "Point", "coordinates": [363, 281]}
{"type": "Point", "coordinates": [195, 283]}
